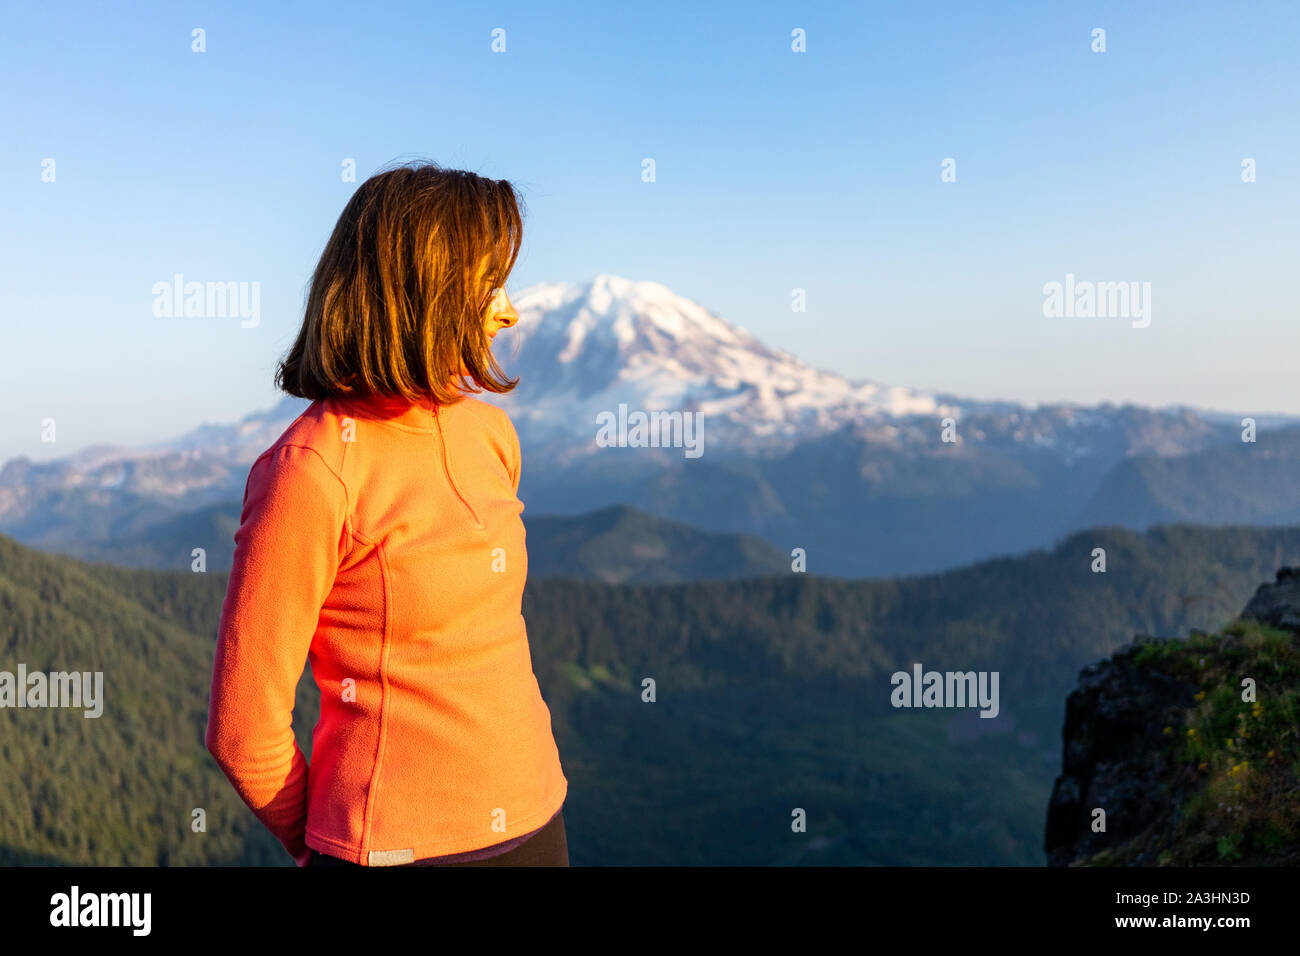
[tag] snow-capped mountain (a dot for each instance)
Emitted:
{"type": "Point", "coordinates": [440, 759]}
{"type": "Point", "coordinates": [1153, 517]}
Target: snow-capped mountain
{"type": "Point", "coordinates": [792, 453]}
{"type": "Point", "coordinates": [583, 349]}
{"type": "Point", "coordinates": [586, 349]}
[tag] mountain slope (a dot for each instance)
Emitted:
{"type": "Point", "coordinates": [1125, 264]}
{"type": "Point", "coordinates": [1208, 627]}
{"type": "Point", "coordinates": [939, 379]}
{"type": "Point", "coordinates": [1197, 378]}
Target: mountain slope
{"type": "Point", "coordinates": [772, 693]}
{"type": "Point", "coordinates": [118, 788]}
{"type": "Point", "coordinates": [614, 544]}
{"type": "Point", "coordinates": [1236, 482]}
{"type": "Point", "coordinates": [799, 456]}
{"type": "Point", "coordinates": [584, 349]}
{"type": "Point", "coordinates": [625, 545]}
{"type": "Point", "coordinates": [1191, 766]}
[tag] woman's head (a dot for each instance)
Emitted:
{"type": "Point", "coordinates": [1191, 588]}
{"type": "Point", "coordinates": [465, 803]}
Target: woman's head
{"type": "Point", "coordinates": [410, 289]}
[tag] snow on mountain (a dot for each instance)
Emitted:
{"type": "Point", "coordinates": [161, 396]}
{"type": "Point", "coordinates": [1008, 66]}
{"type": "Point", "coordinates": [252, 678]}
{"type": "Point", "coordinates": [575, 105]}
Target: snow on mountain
{"type": "Point", "coordinates": [586, 349]}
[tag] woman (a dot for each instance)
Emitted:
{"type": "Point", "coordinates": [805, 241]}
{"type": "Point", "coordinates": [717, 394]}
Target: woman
{"type": "Point", "coordinates": [381, 540]}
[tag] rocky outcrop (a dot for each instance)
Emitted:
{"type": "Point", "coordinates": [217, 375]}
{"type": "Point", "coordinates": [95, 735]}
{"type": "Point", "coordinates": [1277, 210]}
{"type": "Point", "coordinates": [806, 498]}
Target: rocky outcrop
{"type": "Point", "coordinates": [1115, 743]}
{"type": "Point", "coordinates": [1278, 604]}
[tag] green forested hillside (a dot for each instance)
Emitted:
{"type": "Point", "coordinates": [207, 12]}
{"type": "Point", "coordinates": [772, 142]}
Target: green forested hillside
{"type": "Point", "coordinates": [626, 545]}
{"type": "Point", "coordinates": [772, 694]}
{"type": "Point", "coordinates": [616, 545]}
{"type": "Point", "coordinates": [119, 788]}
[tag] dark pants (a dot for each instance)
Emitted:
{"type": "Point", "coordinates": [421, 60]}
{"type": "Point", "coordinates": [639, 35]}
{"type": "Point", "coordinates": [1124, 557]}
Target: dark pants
{"type": "Point", "coordinates": [546, 847]}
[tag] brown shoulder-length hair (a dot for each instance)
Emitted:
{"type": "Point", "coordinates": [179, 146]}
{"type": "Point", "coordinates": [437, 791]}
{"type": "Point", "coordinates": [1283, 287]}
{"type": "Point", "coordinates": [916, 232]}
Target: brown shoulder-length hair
{"type": "Point", "coordinates": [393, 309]}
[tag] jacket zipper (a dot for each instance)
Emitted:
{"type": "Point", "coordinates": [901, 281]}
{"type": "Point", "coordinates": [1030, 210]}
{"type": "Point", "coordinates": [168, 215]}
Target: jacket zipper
{"type": "Point", "coordinates": [451, 479]}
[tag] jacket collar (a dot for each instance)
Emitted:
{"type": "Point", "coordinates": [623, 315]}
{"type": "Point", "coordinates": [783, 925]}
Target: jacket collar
{"type": "Point", "coordinates": [392, 410]}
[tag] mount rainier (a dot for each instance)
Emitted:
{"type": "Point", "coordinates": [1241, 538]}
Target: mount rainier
{"type": "Point", "coordinates": [854, 472]}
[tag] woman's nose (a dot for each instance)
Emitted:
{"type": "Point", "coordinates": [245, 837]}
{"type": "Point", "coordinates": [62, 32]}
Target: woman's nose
{"type": "Point", "coordinates": [506, 313]}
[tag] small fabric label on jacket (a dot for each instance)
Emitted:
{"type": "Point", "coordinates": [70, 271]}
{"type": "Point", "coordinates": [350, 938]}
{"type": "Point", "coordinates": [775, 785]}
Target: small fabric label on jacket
{"type": "Point", "coordinates": [391, 857]}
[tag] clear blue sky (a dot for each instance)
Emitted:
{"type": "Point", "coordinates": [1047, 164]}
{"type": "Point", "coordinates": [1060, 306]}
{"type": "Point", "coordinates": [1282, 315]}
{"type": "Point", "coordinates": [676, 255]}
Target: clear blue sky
{"type": "Point", "coordinates": [775, 170]}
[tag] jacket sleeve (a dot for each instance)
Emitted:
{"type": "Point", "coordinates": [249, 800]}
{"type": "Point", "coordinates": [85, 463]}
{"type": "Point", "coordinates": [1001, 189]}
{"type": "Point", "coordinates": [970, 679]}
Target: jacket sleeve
{"type": "Point", "coordinates": [293, 533]}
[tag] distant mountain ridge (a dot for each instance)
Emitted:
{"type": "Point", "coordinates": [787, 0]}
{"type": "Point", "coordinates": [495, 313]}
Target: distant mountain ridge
{"type": "Point", "coordinates": [799, 456]}
{"type": "Point", "coordinates": [617, 545]}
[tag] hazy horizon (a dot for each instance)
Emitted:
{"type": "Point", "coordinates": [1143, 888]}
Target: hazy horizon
{"type": "Point", "coordinates": [775, 170]}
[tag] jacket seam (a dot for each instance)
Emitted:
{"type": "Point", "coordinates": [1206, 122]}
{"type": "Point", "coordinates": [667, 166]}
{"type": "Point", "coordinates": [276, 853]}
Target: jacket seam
{"type": "Point", "coordinates": [321, 458]}
{"type": "Point", "coordinates": [486, 420]}
{"type": "Point", "coordinates": [347, 495]}
{"type": "Point", "coordinates": [511, 439]}
{"type": "Point", "coordinates": [399, 425]}
{"type": "Point", "coordinates": [372, 792]}
{"type": "Point", "coordinates": [363, 414]}
{"type": "Point", "coordinates": [451, 478]}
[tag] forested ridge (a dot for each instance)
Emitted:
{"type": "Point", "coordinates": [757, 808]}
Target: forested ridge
{"type": "Point", "coordinates": [772, 694]}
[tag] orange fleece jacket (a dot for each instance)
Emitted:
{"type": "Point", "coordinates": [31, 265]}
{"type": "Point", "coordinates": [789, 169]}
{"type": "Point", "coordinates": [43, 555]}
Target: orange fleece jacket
{"type": "Point", "coordinates": [381, 540]}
